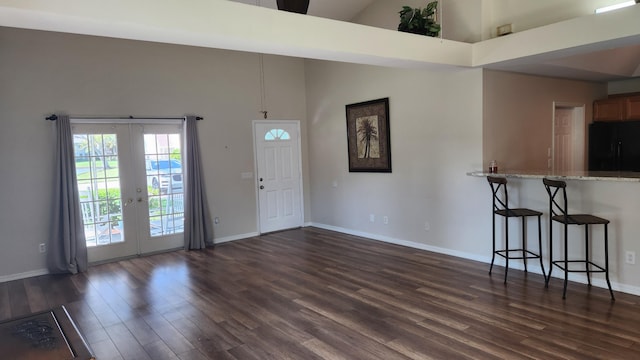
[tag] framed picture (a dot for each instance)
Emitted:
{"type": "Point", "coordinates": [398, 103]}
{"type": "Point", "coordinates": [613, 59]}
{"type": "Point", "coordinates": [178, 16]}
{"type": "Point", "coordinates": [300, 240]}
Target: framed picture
{"type": "Point", "coordinates": [368, 136]}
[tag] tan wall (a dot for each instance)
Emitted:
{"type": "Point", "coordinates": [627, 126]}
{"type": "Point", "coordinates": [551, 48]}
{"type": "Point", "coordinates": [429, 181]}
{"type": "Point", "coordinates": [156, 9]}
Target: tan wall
{"type": "Point", "coordinates": [518, 116]}
{"type": "Point", "coordinates": [624, 86]}
{"type": "Point", "coordinates": [81, 75]}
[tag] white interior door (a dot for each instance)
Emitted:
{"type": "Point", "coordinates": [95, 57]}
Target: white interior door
{"type": "Point", "coordinates": [568, 137]}
{"type": "Point", "coordinates": [130, 185]}
{"type": "Point", "coordinates": [279, 178]}
{"type": "Point", "coordinates": [562, 142]}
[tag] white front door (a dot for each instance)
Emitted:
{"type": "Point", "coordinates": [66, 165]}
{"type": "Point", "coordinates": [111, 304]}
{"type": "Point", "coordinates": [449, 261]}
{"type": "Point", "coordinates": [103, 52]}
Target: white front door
{"type": "Point", "coordinates": [279, 177]}
{"type": "Point", "coordinates": [130, 186]}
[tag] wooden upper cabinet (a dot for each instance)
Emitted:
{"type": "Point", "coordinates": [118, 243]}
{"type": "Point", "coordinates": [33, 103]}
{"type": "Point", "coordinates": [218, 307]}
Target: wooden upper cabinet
{"type": "Point", "coordinates": [632, 107]}
{"type": "Point", "coordinates": [611, 109]}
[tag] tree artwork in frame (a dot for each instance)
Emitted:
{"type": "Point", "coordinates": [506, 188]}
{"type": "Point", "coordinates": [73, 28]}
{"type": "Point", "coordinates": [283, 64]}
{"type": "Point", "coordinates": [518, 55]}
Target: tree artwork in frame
{"type": "Point", "coordinates": [368, 136]}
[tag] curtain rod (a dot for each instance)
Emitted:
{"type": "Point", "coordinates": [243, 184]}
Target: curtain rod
{"type": "Point", "coordinates": [54, 117]}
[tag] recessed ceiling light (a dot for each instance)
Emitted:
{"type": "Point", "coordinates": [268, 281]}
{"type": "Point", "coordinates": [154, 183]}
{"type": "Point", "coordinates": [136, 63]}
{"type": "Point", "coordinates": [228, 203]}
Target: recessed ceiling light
{"type": "Point", "coordinates": [615, 7]}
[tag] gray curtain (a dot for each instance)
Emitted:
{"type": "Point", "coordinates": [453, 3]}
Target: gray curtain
{"type": "Point", "coordinates": [67, 246]}
{"type": "Point", "coordinates": [198, 229]}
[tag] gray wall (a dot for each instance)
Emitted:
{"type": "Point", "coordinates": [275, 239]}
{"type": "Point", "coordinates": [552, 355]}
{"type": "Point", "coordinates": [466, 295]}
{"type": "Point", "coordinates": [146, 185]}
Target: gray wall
{"type": "Point", "coordinates": [42, 72]}
{"type": "Point", "coordinates": [436, 137]}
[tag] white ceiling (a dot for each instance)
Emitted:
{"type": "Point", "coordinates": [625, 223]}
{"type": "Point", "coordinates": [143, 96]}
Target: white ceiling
{"type": "Point", "coordinates": [616, 62]}
{"type": "Point", "coordinates": [597, 48]}
{"type": "Point", "coordinates": [612, 64]}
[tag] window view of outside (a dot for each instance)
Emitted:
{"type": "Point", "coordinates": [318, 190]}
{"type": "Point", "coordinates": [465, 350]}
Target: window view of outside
{"type": "Point", "coordinates": [163, 161]}
{"type": "Point", "coordinates": [96, 159]}
{"type": "Point", "coordinates": [277, 134]}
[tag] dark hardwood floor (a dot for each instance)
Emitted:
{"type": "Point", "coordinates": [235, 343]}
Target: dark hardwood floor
{"type": "Point", "coordinates": [315, 294]}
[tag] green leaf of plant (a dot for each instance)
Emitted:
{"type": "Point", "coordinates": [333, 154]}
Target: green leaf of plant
{"type": "Point", "coordinates": [418, 20]}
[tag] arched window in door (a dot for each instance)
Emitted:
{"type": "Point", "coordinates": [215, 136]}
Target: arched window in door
{"type": "Point", "coordinates": [276, 134]}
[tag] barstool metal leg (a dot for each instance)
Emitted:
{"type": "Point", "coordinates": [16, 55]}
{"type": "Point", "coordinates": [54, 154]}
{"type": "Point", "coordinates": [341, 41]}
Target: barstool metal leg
{"type": "Point", "coordinates": [493, 252]}
{"type": "Point", "coordinates": [540, 249]}
{"type": "Point", "coordinates": [606, 260]}
{"type": "Point", "coordinates": [506, 247]}
{"type": "Point", "coordinates": [524, 242]}
{"type": "Point", "coordinates": [566, 261]}
{"type": "Point", "coordinates": [546, 282]}
{"type": "Point", "coordinates": [587, 257]}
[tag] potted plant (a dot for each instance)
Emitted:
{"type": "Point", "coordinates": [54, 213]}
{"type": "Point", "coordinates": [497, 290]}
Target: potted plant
{"type": "Point", "coordinates": [420, 21]}
{"type": "Point", "coordinates": [296, 6]}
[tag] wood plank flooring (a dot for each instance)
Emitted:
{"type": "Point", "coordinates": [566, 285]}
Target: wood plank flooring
{"type": "Point", "coordinates": [315, 294]}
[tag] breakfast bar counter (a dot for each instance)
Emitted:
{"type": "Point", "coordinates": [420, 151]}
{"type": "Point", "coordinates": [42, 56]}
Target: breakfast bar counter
{"type": "Point", "coordinates": [625, 176]}
{"type": "Point", "coordinates": [611, 195]}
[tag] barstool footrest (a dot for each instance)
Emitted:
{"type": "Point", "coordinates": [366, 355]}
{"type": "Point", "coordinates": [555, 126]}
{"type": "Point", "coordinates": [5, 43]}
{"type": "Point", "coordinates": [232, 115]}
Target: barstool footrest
{"type": "Point", "coordinates": [530, 254]}
{"type": "Point", "coordinates": [560, 264]}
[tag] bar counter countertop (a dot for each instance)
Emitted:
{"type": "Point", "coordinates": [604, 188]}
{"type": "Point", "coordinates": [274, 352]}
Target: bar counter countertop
{"type": "Point", "coordinates": [624, 176]}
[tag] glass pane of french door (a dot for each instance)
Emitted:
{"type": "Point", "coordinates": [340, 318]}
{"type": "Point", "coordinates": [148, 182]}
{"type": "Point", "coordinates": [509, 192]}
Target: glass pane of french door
{"type": "Point", "coordinates": [161, 148]}
{"type": "Point", "coordinates": [130, 186]}
{"type": "Point", "coordinates": [98, 173]}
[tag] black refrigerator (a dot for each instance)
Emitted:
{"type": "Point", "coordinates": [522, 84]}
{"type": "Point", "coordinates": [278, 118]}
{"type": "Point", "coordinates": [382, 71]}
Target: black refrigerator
{"type": "Point", "coordinates": [614, 146]}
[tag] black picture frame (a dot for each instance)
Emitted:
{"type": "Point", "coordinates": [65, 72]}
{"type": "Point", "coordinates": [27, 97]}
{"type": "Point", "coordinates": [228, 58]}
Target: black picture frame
{"type": "Point", "coordinates": [369, 119]}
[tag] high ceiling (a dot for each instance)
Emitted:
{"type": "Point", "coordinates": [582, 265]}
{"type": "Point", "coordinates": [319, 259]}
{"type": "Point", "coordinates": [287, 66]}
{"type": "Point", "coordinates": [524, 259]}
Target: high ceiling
{"type": "Point", "coordinates": [603, 47]}
{"type": "Point", "coordinates": [615, 62]}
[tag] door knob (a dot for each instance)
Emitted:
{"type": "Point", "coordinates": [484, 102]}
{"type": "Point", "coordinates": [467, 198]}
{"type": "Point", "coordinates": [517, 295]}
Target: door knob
{"type": "Point", "coordinates": [261, 187]}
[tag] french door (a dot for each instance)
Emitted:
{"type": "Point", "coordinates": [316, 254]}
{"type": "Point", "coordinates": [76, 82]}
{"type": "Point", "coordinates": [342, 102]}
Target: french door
{"type": "Point", "coordinates": [131, 189]}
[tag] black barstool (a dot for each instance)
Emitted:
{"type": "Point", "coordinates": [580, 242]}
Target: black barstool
{"type": "Point", "coordinates": [558, 210]}
{"type": "Point", "coordinates": [501, 208]}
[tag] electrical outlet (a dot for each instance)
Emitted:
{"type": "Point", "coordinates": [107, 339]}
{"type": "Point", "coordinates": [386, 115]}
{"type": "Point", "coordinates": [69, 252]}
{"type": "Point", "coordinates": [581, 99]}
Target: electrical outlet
{"type": "Point", "coordinates": [43, 248]}
{"type": "Point", "coordinates": [385, 220]}
{"type": "Point", "coordinates": [372, 218]}
{"type": "Point", "coordinates": [630, 257]}
{"type": "Point", "coordinates": [427, 226]}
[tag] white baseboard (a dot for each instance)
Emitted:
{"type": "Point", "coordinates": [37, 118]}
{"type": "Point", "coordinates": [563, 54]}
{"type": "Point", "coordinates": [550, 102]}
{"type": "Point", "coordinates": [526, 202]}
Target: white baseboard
{"type": "Point", "coordinates": [580, 278]}
{"type": "Point", "coordinates": [23, 275]}
{"type": "Point", "coordinates": [235, 237]}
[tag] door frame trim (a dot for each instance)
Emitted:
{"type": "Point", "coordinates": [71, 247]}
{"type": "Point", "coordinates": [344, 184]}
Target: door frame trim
{"type": "Point", "coordinates": [255, 167]}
